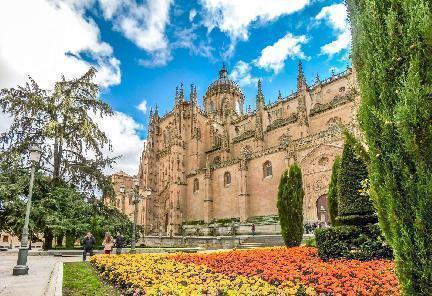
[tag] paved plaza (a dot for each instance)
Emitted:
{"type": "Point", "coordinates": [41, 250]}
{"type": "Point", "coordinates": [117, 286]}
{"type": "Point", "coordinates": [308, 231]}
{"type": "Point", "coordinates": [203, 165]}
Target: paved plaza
{"type": "Point", "coordinates": [44, 277]}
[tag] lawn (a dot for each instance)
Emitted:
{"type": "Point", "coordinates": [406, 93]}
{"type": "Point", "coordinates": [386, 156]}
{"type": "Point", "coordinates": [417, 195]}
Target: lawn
{"type": "Point", "coordinates": [81, 279]}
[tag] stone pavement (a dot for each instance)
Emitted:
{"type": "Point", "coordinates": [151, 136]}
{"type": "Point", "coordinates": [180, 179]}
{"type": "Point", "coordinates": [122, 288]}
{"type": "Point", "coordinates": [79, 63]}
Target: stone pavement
{"type": "Point", "coordinates": [44, 278]}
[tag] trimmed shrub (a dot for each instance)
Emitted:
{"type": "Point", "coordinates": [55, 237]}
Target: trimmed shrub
{"type": "Point", "coordinates": [352, 242]}
{"type": "Point", "coordinates": [332, 193]}
{"type": "Point", "coordinates": [290, 206]}
{"type": "Point", "coordinates": [351, 203]}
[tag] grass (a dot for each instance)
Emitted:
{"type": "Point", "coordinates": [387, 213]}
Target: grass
{"type": "Point", "coordinates": [81, 279]}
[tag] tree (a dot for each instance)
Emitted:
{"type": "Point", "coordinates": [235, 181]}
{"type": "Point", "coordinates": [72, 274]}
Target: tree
{"type": "Point", "coordinates": [62, 122]}
{"type": "Point", "coordinates": [290, 206]}
{"type": "Point", "coordinates": [392, 45]}
{"type": "Point", "coordinates": [332, 193]}
{"type": "Point", "coordinates": [354, 208]}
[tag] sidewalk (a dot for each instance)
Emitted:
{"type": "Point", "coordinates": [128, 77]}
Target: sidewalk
{"type": "Point", "coordinates": [44, 278]}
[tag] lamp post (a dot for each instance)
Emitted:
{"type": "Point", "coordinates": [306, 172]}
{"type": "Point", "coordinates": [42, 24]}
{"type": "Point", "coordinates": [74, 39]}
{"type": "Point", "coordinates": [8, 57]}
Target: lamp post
{"type": "Point", "coordinates": [136, 199]}
{"type": "Point", "coordinates": [122, 192]}
{"type": "Point", "coordinates": [21, 268]}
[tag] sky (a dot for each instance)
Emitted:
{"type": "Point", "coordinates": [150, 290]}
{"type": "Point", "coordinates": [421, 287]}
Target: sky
{"type": "Point", "coordinates": [144, 49]}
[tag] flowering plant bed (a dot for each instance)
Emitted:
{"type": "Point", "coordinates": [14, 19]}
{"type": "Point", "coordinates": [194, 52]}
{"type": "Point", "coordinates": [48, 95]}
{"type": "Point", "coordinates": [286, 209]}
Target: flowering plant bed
{"type": "Point", "coordinates": [264, 271]}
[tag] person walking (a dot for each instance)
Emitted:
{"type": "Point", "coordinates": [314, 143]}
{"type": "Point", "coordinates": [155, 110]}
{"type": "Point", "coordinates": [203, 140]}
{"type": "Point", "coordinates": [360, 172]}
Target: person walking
{"type": "Point", "coordinates": [88, 243]}
{"type": "Point", "coordinates": [119, 243]}
{"type": "Point", "coordinates": [253, 229]}
{"type": "Point", "coordinates": [108, 243]}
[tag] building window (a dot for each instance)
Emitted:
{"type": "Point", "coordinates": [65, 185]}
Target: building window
{"type": "Point", "coordinates": [195, 185]}
{"type": "Point", "coordinates": [267, 169]}
{"type": "Point", "coordinates": [5, 239]}
{"type": "Point", "coordinates": [211, 106]}
{"type": "Point", "coordinates": [118, 203]}
{"type": "Point", "coordinates": [227, 179]}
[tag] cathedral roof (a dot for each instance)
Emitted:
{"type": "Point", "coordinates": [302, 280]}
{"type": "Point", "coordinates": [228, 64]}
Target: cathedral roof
{"type": "Point", "coordinates": [223, 84]}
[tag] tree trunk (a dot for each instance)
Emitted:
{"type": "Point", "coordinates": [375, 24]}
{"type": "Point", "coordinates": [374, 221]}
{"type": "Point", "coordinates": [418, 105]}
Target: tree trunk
{"type": "Point", "coordinates": [48, 236]}
{"type": "Point", "coordinates": [59, 240]}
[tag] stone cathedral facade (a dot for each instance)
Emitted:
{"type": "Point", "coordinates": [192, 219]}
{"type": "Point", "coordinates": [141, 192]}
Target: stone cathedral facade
{"type": "Point", "coordinates": [220, 162]}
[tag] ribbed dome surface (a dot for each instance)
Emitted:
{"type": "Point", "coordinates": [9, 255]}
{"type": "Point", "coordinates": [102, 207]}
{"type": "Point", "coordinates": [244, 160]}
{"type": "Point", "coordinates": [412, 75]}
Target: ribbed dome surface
{"type": "Point", "coordinates": [223, 83]}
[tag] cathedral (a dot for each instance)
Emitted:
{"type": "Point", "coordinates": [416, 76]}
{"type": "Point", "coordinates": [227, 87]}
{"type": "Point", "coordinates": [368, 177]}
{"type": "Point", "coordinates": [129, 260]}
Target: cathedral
{"type": "Point", "coordinates": [223, 161]}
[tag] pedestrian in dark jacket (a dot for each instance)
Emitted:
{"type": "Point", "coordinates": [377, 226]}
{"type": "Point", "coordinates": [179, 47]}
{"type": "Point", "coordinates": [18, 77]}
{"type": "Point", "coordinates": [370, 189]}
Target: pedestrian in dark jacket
{"type": "Point", "coordinates": [88, 243]}
{"type": "Point", "coordinates": [119, 243]}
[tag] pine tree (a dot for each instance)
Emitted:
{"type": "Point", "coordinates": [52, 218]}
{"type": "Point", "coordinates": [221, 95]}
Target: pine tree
{"type": "Point", "coordinates": [290, 206]}
{"type": "Point", "coordinates": [332, 193]}
{"type": "Point", "coordinates": [392, 46]}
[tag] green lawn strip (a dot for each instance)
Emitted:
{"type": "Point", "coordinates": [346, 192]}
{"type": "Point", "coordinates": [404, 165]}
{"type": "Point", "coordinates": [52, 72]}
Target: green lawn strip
{"type": "Point", "coordinates": [80, 278]}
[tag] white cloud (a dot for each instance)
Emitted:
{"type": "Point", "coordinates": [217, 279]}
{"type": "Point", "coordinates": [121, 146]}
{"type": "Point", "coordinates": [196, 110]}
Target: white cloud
{"type": "Point", "coordinates": [337, 18]}
{"type": "Point", "coordinates": [143, 24]}
{"type": "Point", "coordinates": [187, 38]}
{"type": "Point", "coordinates": [273, 56]}
{"type": "Point", "coordinates": [122, 130]}
{"type": "Point", "coordinates": [241, 74]}
{"type": "Point", "coordinates": [192, 14]}
{"type": "Point", "coordinates": [46, 39]}
{"type": "Point", "coordinates": [235, 17]}
{"type": "Point", "coordinates": [142, 106]}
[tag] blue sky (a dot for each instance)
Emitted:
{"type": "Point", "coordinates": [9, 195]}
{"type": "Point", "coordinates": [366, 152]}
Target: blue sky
{"type": "Point", "coordinates": [144, 49]}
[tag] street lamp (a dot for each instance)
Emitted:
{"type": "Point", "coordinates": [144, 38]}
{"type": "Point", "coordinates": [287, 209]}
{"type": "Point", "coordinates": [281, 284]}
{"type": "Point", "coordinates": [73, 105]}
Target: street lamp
{"type": "Point", "coordinates": [21, 268]}
{"type": "Point", "coordinates": [122, 192]}
{"type": "Point", "coordinates": [136, 199]}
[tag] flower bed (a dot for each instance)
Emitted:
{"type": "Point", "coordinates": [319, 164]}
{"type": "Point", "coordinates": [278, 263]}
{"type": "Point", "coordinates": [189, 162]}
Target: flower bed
{"type": "Point", "coordinates": [265, 271]}
{"type": "Point", "coordinates": [302, 265]}
{"type": "Point", "coordinates": [159, 275]}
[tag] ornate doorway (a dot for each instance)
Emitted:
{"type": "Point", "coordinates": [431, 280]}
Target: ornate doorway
{"type": "Point", "coordinates": [322, 209]}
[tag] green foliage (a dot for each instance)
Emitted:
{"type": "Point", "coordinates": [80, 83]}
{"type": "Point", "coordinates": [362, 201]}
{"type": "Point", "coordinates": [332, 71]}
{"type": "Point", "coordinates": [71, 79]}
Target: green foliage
{"type": "Point", "coordinates": [57, 209]}
{"type": "Point", "coordinates": [350, 201]}
{"type": "Point", "coordinates": [311, 242]}
{"type": "Point", "coordinates": [290, 206]}
{"type": "Point", "coordinates": [332, 193]}
{"type": "Point", "coordinates": [61, 121]}
{"type": "Point", "coordinates": [392, 46]}
{"type": "Point", "coordinates": [353, 242]}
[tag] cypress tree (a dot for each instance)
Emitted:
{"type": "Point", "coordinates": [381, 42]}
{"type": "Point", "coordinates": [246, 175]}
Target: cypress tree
{"type": "Point", "coordinates": [392, 46]}
{"type": "Point", "coordinates": [353, 207]}
{"type": "Point", "coordinates": [290, 206]}
{"type": "Point", "coordinates": [332, 193]}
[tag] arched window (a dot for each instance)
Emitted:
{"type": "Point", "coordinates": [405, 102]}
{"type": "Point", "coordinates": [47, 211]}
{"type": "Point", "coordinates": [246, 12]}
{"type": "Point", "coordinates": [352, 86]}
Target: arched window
{"type": "Point", "coordinates": [211, 106]}
{"type": "Point", "coordinates": [195, 185]}
{"type": "Point", "coordinates": [227, 179]}
{"type": "Point", "coordinates": [267, 169]}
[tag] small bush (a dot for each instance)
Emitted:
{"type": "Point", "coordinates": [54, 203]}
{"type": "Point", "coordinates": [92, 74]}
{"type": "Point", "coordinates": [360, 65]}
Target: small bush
{"type": "Point", "coordinates": [353, 242]}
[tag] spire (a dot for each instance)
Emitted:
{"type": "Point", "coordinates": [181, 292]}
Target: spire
{"type": "Point", "coordinates": [151, 115]}
{"type": "Point", "coordinates": [259, 96]}
{"type": "Point", "coordinates": [317, 80]}
{"type": "Point", "coordinates": [176, 95]}
{"type": "Point", "coordinates": [192, 96]}
{"type": "Point", "coordinates": [223, 73]}
{"type": "Point", "coordinates": [156, 114]}
{"type": "Point", "coordinates": [301, 81]}
{"type": "Point", "coordinates": [279, 96]}
{"type": "Point", "coordinates": [181, 92]}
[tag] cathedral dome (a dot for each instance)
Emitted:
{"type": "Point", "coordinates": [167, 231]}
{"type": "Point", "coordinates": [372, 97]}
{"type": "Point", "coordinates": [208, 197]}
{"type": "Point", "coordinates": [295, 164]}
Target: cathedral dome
{"type": "Point", "coordinates": [223, 84]}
